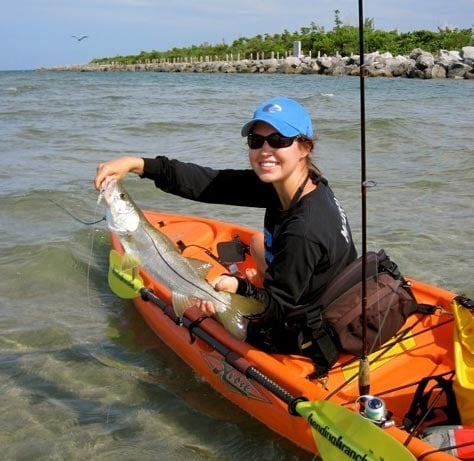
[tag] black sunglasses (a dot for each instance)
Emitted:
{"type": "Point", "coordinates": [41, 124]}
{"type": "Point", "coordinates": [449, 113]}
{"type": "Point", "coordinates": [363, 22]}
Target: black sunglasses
{"type": "Point", "coordinates": [275, 140]}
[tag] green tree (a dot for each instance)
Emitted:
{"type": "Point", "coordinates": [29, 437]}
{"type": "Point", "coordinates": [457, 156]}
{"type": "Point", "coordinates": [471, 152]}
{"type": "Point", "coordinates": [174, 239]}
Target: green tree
{"type": "Point", "coordinates": [343, 38]}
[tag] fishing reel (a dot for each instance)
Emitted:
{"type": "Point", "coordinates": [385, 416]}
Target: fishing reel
{"type": "Point", "coordinates": [373, 409]}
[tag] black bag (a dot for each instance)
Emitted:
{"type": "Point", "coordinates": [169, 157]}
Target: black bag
{"type": "Point", "coordinates": [334, 322]}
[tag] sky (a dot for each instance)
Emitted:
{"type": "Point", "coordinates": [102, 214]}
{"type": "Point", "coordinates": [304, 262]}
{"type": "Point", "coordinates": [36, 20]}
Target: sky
{"type": "Point", "coordinates": [38, 33]}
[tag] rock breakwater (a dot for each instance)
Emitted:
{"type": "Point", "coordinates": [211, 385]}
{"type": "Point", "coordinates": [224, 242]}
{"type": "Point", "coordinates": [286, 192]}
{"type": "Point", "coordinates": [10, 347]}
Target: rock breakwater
{"type": "Point", "coordinates": [419, 64]}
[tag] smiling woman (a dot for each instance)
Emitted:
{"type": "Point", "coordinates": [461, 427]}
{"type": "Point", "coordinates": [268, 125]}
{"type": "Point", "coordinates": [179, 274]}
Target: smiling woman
{"type": "Point", "coordinates": [57, 310]}
{"type": "Point", "coordinates": [306, 239]}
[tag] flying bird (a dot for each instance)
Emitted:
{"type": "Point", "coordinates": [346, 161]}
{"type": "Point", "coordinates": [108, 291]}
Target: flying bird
{"type": "Point", "coordinates": [79, 39]}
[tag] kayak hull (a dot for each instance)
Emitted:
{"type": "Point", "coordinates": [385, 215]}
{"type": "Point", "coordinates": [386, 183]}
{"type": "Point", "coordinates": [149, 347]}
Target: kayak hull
{"type": "Point", "coordinates": [425, 348]}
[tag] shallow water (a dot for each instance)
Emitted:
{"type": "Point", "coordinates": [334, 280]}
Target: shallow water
{"type": "Point", "coordinates": [81, 375]}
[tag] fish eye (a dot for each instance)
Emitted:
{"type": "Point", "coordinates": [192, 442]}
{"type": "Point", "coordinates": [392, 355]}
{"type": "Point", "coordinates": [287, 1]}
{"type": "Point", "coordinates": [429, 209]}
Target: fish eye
{"type": "Point", "coordinates": [123, 196]}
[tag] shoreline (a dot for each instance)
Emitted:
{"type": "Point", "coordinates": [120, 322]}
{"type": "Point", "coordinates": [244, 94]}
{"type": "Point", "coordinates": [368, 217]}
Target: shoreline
{"type": "Point", "coordinates": [419, 64]}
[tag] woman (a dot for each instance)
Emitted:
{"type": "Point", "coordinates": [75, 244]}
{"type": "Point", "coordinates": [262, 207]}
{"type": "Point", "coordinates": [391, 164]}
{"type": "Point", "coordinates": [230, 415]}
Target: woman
{"type": "Point", "coordinates": [307, 239]}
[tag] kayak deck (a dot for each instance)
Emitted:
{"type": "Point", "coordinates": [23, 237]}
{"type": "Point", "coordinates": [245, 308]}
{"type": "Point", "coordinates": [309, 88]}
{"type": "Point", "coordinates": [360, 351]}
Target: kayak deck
{"type": "Point", "coordinates": [423, 347]}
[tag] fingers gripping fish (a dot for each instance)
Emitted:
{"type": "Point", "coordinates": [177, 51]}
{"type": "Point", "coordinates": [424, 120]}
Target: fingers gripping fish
{"type": "Point", "coordinates": [150, 249]}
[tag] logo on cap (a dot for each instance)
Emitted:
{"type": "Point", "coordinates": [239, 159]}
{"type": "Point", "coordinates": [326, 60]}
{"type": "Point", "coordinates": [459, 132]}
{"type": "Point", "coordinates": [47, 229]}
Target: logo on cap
{"type": "Point", "coordinates": [272, 108]}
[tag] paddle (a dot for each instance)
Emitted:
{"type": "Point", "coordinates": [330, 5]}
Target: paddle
{"type": "Point", "coordinates": [341, 434]}
{"type": "Point", "coordinates": [125, 284]}
{"type": "Point", "coordinates": [338, 432]}
{"type": "Point", "coordinates": [463, 336]}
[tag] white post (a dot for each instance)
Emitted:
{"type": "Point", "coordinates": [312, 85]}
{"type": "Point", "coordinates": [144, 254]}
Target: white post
{"type": "Point", "coordinates": [297, 49]}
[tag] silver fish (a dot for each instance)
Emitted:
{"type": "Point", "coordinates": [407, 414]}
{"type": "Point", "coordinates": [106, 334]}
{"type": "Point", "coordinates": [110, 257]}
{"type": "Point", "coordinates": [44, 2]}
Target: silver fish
{"type": "Point", "coordinates": [150, 249]}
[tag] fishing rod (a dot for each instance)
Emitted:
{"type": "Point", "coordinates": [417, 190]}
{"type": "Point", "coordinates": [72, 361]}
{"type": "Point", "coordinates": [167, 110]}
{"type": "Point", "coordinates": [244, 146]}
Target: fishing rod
{"type": "Point", "coordinates": [364, 370]}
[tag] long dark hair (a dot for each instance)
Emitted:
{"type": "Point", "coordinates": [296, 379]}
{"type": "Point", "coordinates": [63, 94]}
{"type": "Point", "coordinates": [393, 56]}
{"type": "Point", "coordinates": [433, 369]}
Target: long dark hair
{"type": "Point", "coordinates": [308, 143]}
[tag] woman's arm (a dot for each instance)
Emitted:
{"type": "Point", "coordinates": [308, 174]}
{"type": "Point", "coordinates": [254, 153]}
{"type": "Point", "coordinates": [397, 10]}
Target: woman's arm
{"type": "Point", "coordinates": [205, 184]}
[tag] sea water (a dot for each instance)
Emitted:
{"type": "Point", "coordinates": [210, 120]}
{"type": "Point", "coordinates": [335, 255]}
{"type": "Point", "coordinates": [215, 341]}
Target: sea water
{"type": "Point", "coordinates": [81, 375]}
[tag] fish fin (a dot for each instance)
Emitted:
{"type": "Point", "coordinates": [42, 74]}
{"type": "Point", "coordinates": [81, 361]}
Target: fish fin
{"type": "Point", "coordinates": [130, 261]}
{"type": "Point", "coordinates": [235, 317]}
{"type": "Point", "coordinates": [201, 267]}
{"type": "Point", "coordinates": [181, 302]}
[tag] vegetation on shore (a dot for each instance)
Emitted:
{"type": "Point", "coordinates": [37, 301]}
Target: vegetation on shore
{"type": "Point", "coordinates": [342, 39]}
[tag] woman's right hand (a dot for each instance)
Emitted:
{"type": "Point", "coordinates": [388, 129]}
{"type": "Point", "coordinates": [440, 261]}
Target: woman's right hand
{"type": "Point", "coordinates": [118, 169]}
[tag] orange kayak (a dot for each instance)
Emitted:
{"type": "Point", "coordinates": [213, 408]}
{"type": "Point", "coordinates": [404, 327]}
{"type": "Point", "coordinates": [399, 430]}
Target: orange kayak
{"type": "Point", "coordinates": [423, 348]}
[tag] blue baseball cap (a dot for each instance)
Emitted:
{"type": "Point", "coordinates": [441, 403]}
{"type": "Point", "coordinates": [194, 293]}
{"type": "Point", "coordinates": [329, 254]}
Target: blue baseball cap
{"type": "Point", "coordinates": [285, 115]}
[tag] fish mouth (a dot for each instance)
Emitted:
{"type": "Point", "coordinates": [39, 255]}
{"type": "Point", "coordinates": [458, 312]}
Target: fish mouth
{"type": "Point", "coordinates": [105, 192]}
{"type": "Point", "coordinates": [121, 217]}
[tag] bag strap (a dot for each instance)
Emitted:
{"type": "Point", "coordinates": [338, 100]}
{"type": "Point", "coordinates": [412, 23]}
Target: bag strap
{"type": "Point", "coordinates": [376, 262]}
{"type": "Point", "coordinates": [322, 349]}
{"type": "Point", "coordinates": [317, 341]}
{"type": "Point", "coordinates": [347, 278]}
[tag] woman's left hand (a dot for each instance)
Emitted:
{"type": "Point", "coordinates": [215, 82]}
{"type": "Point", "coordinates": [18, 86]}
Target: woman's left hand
{"type": "Point", "coordinates": [225, 283]}
{"type": "Point", "coordinates": [221, 283]}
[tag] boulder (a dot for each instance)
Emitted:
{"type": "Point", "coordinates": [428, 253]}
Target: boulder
{"type": "Point", "coordinates": [467, 54]}
{"type": "Point", "coordinates": [425, 60]}
{"type": "Point", "coordinates": [399, 66]}
{"type": "Point", "coordinates": [438, 71]}
{"type": "Point", "coordinates": [458, 70]}
{"type": "Point", "coordinates": [419, 64]}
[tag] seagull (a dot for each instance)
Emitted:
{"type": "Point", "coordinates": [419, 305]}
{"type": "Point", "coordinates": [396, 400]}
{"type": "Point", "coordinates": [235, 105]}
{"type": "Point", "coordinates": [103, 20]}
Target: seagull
{"type": "Point", "coordinates": [79, 38]}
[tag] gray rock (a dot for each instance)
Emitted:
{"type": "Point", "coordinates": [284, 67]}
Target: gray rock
{"type": "Point", "coordinates": [425, 60]}
{"type": "Point", "coordinates": [458, 70]}
{"type": "Point", "coordinates": [419, 64]}
{"type": "Point", "coordinates": [438, 71]}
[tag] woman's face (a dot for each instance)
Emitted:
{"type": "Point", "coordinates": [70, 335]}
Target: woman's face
{"type": "Point", "coordinates": [275, 165]}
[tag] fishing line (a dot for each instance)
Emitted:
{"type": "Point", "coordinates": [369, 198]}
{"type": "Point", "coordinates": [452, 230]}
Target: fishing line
{"type": "Point", "coordinates": [411, 384]}
{"type": "Point", "coordinates": [400, 337]}
{"type": "Point", "coordinates": [91, 252]}
{"type": "Point", "coordinates": [415, 430]}
{"type": "Point", "coordinates": [91, 246]}
{"type": "Point", "coordinates": [172, 269]}
{"type": "Point", "coordinates": [445, 449]}
{"type": "Point", "coordinates": [87, 223]}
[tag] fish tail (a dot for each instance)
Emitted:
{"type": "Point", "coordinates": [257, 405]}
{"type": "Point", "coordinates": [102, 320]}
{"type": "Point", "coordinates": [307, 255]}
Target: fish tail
{"type": "Point", "coordinates": [235, 317]}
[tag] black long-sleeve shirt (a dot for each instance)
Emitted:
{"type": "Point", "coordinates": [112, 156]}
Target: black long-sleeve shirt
{"type": "Point", "coordinates": [305, 246]}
